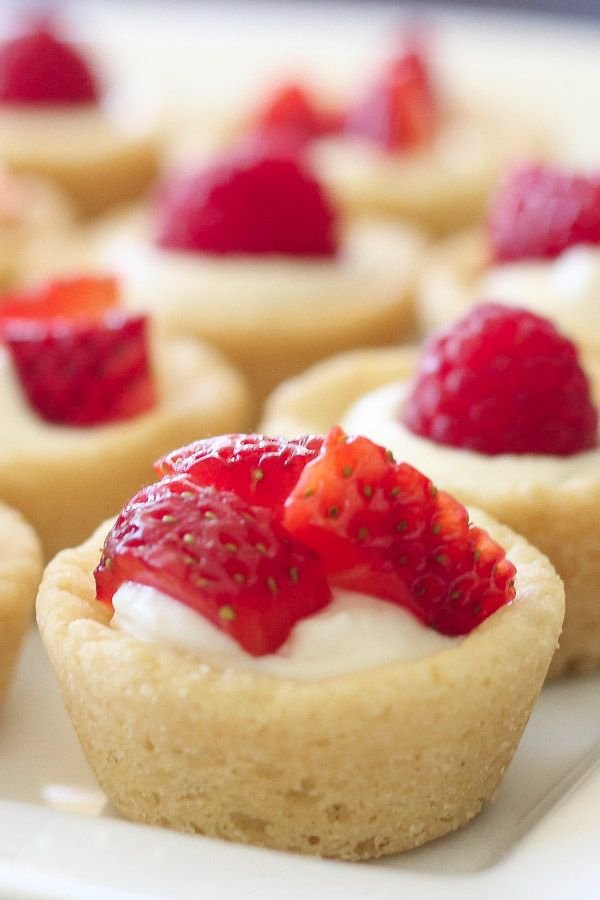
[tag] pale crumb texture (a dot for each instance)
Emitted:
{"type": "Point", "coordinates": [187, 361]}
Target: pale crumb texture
{"type": "Point", "coordinates": [95, 179]}
{"type": "Point", "coordinates": [352, 767]}
{"type": "Point", "coordinates": [440, 188]}
{"type": "Point", "coordinates": [65, 480]}
{"type": "Point", "coordinates": [20, 573]}
{"type": "Point", "coordinates": [559, 517]}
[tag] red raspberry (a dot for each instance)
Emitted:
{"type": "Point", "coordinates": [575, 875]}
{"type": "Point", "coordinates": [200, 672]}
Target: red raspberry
{"type": "Point", "coordinates": [540, 210]}
{"type": "Point", "coordinates": [38, 68]}
{"type": "Point", "coordinates": [400, 112]}
{"type": "Point", "coordinates": [502, 380]}
{"type": "Point", "coordinates": [381, 527]}
{"type": "Point", "coordinates": [256, 200]}
{"type": "Point", "coordinates": [231, 562]}
{"type": "Point", "coordinates": [261, 470]}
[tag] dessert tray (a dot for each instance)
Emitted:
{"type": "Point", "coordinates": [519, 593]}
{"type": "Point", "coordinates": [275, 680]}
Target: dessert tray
{"type": "Point", "coordinates": [58, 836]}
{"type": "Point", "coordinates": [60, 839]}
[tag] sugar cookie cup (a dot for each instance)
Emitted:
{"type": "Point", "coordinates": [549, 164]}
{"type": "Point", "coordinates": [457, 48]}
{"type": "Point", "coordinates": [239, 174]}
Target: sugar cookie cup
{"type": "Point", "coordinates": [354, 766]}
{"type": "Point", "coordinates": [288, 312]}
{"type": "Point", "coordinates": [63, 479]}
{"type": "Point", "coordinates": [20, 573]}
{"type": "Point", "coordinates": [554, 502]}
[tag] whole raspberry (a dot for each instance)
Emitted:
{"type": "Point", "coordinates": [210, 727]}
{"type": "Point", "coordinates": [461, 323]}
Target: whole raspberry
{"type": "Point", "coordinates": [257, 200]}
{"type": "Point", "coordinates": [539, 211]}
{"type": "Point", "coordinates": [502, 380]}
{"type": "Point", "coordinates": [38, 68]}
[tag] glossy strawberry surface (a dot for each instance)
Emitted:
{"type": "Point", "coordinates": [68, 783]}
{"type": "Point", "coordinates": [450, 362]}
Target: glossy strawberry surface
{"type": "Point", "coordinates": [400, 111]}
{"type": "Point", "coordinates": [291, 111]}
{"type": "Point", "coordinates": [541, 210]}
{"type": "Point", "coordinates": [257, 200]}
{"type": "Point", "coordinates": [232, 562]}
{"type": "Point", "coordinates": [38, 68]}
{"type": "Point", "coordinates": [261, 470]}
{"type": "Point", "coordinates": [502, 380]}
{"type": "Point", "coordinates": [82, 373]}
{"type": "Point", "coordinates": [381, 527]}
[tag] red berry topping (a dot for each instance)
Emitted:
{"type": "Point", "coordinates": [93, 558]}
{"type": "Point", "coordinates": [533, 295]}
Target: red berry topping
{"type": "Point", "coordinates": [261, 470]}
{"type": "Point", "coordinates": [231, 562]}
{"type": "Point", "coordinates": [381, 527]}
{"type": "Point", "coordinates": [70, 298]}
{"type": "Point", "coordinates": [254, 201]}
{"type": "Point", "coordinates": [82, 372]}
{"type": "Point", "coordinates": [502, 380]}
{"type": "Point", "coordinates": [38, 68]}
{"type": "Point", "coordinates": [400, 112]}
{"type": "Point", "coordinates": [292, 111]}
{"type": "Point", "coordinates": [540, 210]}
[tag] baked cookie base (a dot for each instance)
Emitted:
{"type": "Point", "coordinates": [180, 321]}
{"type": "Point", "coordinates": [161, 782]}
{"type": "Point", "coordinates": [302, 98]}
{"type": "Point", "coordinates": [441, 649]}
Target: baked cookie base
{"type": "Point", "coordinates": [560, 517]}
{"type": "Point", "coordinates": [352, 767]}
{"type": "Point", "coordinates": [20, 573]}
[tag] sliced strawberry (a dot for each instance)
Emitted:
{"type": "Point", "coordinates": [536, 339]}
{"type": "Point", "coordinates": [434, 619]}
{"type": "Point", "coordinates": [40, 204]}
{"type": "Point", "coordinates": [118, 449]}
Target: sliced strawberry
{"type": "Point", "coordinates": [292, 111]}
{"type": "Point", "coordinates": [38, 68]}
{"type": "Point", "coordinates": [382, 528]}
{"type": "Point", "coordinates": [400, 112]}
{"type": "Point", "coordinates": [70, 298]}
{"type": "Point", "coordinates": [257, 200]}
{"type": "Point", "coordinates": [83, 373]}
{"type": "Point", "coordinates": [261, 470]}
{"type": "Point", "coordinates": [209, 549]}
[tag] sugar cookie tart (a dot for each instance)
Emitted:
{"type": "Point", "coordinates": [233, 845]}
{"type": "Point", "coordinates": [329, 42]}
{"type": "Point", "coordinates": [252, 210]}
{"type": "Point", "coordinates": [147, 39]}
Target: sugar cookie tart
{"type": "Point", "coordinates": [553, 498]}
{"type": "Point", "coordinates": [236, 739]}
{"type": "Point", "coordinates": [90, 397]}
{"type": "Point", "coordinates": [58, 122]}
{"type": "Point", "coordinates": [218, 246]}
{"type": "Point", "coordinates": [20, 573]}
{"type": "Point", "coordinates": [548, 264]}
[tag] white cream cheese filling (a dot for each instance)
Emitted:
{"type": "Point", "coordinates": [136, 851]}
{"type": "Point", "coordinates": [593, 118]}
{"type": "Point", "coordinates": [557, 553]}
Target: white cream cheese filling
{"type": "Point", "coordinates": [354, 633]}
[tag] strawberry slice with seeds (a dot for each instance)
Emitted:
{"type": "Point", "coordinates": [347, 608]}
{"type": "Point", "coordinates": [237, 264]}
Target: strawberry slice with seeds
{"type": "Point", "coordinates": [261, 470]}
{"type": "Point", "coordinates": [38, 68]}
{"type": "Point", "coordinates": [209, 549]}
{"type": "Point", "coordinates": [382, 527]}
{"type": "Point", "coordinates": [83, 372]}
{"type": "Point", "coordinates": [87, 297]}
{"type": "Point", "coordinates": [400, 112]}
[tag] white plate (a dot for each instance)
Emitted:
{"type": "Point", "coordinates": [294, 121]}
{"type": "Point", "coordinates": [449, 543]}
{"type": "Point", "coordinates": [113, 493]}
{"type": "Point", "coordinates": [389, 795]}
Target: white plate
{"type": "Point", "coordinates": [59, 838]}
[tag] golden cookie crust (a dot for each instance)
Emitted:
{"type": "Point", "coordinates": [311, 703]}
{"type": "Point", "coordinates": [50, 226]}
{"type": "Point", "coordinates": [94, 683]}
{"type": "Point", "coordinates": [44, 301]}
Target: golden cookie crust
{"type": "Point", "coordinates": [441, 188]}
{"type": "Point", "coordinates": [20, 573]}
{"type": "Point", "coordinates": [96, 162]}
{"type": "Point", "coordinates": [64, 480]}
{"type": "Point", "coordinates": [355, 766]}
{"type": "Point", "coordinates": [559, 516]}
{"type": "Point", "coordinates": [288, 313]}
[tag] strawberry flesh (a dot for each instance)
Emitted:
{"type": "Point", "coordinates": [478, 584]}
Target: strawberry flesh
{"type": "Point", "coordinates": [382, 528]}
{"type": "Point", "coordinates": [37, 68]}
{"type": "Point", "coordinates": [257, 200]}
{"type": "Point", "coordinates": [290, 111]}
{"type": "Point", "coordinates": [400, 111]}
{"type": "Point", "coordinates": [83, 372]}
{"type": "Point", "coordinates": [70, 298]}
{"type": "Point", "coordinates": [502, 380]}
{"type": "Point", "coordinates": [232, 562]}
{"type": "Point", "coordinates": [259, 469]}
{"type": "Point", "coordinates": [540, 210]}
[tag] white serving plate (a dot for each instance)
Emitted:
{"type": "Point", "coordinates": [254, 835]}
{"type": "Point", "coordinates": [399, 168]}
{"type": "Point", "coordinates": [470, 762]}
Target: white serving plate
{"type": "Point", "coordinates": [58, 836]}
